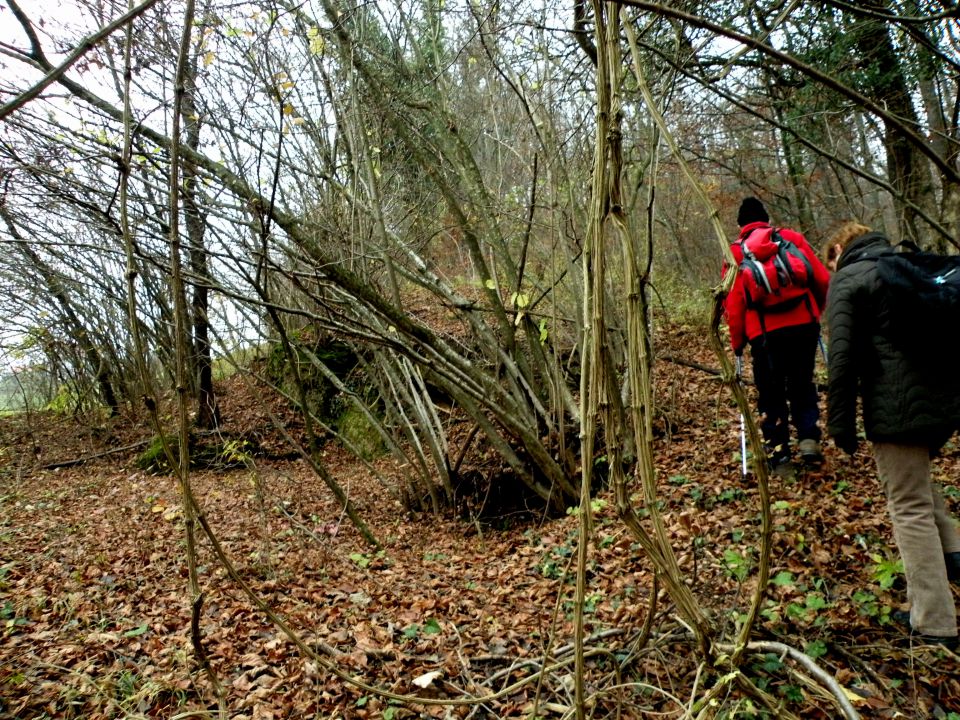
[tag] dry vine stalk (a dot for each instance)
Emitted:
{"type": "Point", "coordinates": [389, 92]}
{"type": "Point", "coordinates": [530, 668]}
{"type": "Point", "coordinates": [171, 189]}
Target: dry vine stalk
{"type": "Point", "coordinates": [599, 389]}
{"type": "Point", "coordinates": [183, 76]}
{"type": "Point", "coordinates": [607, 207]}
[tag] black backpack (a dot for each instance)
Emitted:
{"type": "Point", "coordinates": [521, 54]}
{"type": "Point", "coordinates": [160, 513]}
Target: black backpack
{"type": "Point", "coordinates": [921, 300]}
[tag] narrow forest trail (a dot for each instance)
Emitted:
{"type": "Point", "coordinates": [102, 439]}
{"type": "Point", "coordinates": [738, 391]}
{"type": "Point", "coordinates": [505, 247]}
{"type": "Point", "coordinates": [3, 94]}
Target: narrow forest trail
{"type": "Point", "coordinates": [96, 618]}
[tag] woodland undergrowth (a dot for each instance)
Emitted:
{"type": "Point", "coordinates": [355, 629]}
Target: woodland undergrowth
{"type": "Point", "coordinates": [96, 613]}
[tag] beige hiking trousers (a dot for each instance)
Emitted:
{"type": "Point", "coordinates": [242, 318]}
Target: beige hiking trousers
{"type": "Point", "coordinates": [923, 531]}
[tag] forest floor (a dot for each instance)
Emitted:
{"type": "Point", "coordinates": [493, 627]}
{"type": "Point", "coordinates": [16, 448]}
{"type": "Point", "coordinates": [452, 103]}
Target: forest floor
{"type": "Point", "coordinates": [96, 610]}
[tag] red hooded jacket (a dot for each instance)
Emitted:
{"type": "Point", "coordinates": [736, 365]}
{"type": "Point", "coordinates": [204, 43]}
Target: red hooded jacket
{"type": "Point", "coordinates": [744, 321]}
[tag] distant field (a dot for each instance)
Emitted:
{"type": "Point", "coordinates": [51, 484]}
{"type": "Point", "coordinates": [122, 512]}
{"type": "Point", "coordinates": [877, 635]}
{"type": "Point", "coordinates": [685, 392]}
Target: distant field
{"type": "Point", "coordinates": [31, 388]}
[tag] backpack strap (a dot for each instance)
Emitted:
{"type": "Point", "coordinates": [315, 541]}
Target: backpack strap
{"type": "Point", "coordinates": [907, 246]}
{"type": "Point", "coordinates": [755, 268]}
{"type": "Point", "coordinates": [784, 247]}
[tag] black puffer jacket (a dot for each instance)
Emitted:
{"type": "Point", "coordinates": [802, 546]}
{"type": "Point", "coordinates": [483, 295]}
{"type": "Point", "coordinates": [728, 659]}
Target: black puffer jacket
{"type": "Point", "coordinates": [908, 397]}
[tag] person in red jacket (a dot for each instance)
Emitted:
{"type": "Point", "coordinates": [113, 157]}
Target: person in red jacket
{"type": "Point", "coordinates": [783, 345]}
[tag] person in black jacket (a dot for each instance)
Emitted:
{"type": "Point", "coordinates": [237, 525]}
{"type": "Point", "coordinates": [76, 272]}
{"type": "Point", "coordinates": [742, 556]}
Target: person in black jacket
{"type": "Point", "coordinates": [909, 412]}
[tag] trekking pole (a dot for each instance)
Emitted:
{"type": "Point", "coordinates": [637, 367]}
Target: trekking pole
{"type": "Point", "coordinates": [743, 422]}
{"type": "Point", "coordinates": [823, 350]}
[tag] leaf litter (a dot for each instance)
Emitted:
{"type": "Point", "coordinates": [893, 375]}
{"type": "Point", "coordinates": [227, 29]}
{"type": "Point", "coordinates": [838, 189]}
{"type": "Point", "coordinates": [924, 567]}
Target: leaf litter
{"type": "Point", "coordinates": [95, 606]}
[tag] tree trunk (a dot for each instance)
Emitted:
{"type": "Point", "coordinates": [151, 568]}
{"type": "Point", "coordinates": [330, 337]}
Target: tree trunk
{"type": "Point", "coordinates": [208, 410]}
{"type": "Point", "coordinates": [885, 79]}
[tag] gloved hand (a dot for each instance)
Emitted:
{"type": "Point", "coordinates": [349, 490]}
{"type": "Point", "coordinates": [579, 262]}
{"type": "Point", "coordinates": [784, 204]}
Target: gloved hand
{"type": "Point", "coordinates": [847, 442]}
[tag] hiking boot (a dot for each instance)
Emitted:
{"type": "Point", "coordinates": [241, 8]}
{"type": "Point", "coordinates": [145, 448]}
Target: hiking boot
{"type": "Point", "coordinates": [952, 560]}
{"type": "Point", "coordinates": [902, 618]}
{"type": "Point", "coordinates": [810, 452]}
{"type": "Point", "coordinates": [950, 643]}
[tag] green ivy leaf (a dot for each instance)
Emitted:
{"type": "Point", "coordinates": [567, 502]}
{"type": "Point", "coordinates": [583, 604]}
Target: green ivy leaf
{"type": "Point", "coordinates": [818, 648]}
{"type": "Point", "coordinates": [782, 578]}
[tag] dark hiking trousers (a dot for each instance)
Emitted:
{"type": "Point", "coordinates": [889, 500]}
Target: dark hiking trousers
{"type": "Point", "coordinates": [783, 361]}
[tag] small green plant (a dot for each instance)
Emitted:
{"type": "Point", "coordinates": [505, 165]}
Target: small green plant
{"type": "Point", "coordinates": [800, 542]}
{"type": "Point", "coordinates": [544, 331]}
{"type": "Point", "coordinates": [430, 627]}
{"type": "Point", "coordinates": [16, 678]}
{"type": "Point", "coordinates": [12, 622]}
{"type": "Point", "coordinates": [792, 693]}
{"type": "Point", "coordinates": [782, 578]}
{"type": "Point", "coordinates": [64, 401]}
{"type": "Point", "coordinates": [695, 492]}
{"type": "Point", "coordinates": [127, 684]}
{"type": "Point", "coordinates": [730, 495]}
{"type": "Point", "coordinates": [555, 561]}
{"type": "Point", "coordinates": [886, 571]}
{"type": "Point", "coordinates": [154, 459]}
{"type": "Point", "coordinates": [951, 493]}
{"type": "Point", "coordinates": [591, 601]}
{"type": "Point", "coordinates": [551, 570]}
{"type": "Point", "coordinates": [771, 613]}
{"type": "Point", "coordinates": [236, 452]}
{"type": "Point", "coordinates": [809, 610]}
{"type": "Point", "coordinates": [815, 649]}
{"type": "Point", "coordinates": [737, 564]}
{"type": "Point", "coordinates": [360, 559]}
{"type": "Point", "coordinates": [596, 505]}
{"type": "Point", "coordinates": [771, 663]}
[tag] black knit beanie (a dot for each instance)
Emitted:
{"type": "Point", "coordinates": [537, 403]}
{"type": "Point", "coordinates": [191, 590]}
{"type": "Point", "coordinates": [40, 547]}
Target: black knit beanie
{"type": "Point", "coordinates": [751, 210]}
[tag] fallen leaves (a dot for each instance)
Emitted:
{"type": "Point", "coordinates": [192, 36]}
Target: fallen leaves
{"type": "Point", "coordinates": [96, 613]}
